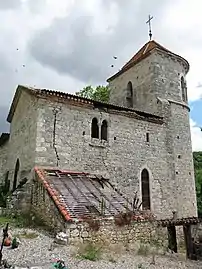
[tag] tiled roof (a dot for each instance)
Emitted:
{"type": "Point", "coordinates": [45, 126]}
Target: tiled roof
{"type": "Point", "coordinates": [77, 100]}
{"type": "Point", "coordinates": [80, 195]}
{"type": "Point", "coordinates": [4, 138]}
{"type": "Point", "coordinates": [179, 222]}
{"type": "Point", "coordinates": [143, 53]}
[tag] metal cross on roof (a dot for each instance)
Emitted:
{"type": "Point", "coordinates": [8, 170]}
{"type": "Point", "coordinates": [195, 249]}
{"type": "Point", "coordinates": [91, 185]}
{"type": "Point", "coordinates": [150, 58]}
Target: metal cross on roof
{"type": "Point", "coordinates": [149, 22]}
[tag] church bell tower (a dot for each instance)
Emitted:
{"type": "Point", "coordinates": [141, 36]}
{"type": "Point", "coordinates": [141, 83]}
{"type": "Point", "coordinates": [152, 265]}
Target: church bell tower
{"type": "Point", "coordinates": [154, 81]}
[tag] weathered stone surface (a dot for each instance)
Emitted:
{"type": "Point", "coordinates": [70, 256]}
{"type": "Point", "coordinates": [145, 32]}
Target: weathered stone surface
{"type": "Point", "coordinates": [61, 238]}
{"type": "Point", "coordinates": [51, 131]}
{"type": "Point", "coordinates": [85, 234]}
{"type": "Point", "coordinates": [157, 89]}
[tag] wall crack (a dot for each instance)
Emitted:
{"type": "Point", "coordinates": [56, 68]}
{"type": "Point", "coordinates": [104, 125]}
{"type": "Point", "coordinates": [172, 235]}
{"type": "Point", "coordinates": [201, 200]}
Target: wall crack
{"type": "Point", "coordinates": [55, 113]}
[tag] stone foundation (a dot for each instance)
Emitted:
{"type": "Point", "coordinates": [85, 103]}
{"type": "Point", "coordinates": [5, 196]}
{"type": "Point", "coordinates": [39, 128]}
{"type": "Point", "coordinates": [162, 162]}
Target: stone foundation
{"type": "Point", "coordinates": [108, 232]}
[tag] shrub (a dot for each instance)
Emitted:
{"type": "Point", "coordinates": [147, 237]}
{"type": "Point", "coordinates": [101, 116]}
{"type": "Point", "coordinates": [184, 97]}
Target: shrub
{"type": "Point", "coordinates": [123, 219]}
{"type": "Point", "coordinates": [94, 224]}
{"type": "Point", "coordinates": [143, 250]}
{"type": "Point", "coordinates": [90, 252]}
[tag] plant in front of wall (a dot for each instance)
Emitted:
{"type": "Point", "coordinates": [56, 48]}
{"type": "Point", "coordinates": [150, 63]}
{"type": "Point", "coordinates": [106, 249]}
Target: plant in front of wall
{"type": "Point", "coordinates": [90, 252]}
{"type": "Point", "coordinates": [93, 223]}
{"type": "Point", "coordinates": [123, 218]}
{"type": "Point", "coordinates": [4, 192]}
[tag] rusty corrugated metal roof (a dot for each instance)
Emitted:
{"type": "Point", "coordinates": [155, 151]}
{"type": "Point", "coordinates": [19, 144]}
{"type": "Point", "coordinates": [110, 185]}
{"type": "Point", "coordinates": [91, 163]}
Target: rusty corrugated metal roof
{"type": "Point", "coordinates": [80, 195]}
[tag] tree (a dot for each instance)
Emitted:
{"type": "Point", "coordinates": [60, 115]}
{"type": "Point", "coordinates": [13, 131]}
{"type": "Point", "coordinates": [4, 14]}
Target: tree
{"type": "Point", "coordinates": [198, 178]}
{"type": "Point", "coordinates": [99, 93]}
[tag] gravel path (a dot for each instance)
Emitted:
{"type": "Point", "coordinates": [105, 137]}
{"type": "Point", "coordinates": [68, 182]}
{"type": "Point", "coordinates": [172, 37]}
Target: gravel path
{"type": "Point", "coordinates": [35, 252]}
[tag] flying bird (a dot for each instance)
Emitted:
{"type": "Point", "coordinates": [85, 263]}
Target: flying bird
{"type": "Point", "coordinates": [199, 85]}
{"type": "Point", "coordinates": [112, 65]}
{"type": "Point", "coordinates": [115, 57]}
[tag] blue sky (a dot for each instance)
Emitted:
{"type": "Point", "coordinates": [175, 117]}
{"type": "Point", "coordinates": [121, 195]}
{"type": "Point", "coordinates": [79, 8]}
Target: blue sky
{"type": "Point", "coordinates": [196, 111]}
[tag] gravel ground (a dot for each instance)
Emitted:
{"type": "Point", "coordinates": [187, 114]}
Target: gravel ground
{"type": "Point", "coordinates": [35, 252]}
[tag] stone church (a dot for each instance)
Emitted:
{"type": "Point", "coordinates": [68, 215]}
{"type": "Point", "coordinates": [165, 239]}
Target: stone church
{"type": "Point", "coordinates": [139, 142]}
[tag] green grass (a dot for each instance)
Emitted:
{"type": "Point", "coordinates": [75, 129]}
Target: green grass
{"type": "Point", "coordinates": [24, 221]}
{"type": "Point", "coordinates": [90, 252]}
{"type": "Point", "coordinates": [12, 221]}
{"type": "Point", "coordinates": [143, 250]}
{"type": "Point", "coordinates": [27, 235]}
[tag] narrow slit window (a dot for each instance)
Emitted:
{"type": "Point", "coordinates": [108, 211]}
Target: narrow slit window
{"type": "Point", "coordinates": [129, 94]}
{"type": "Point", "coordinates": [16, 173]}
{"type": "Point", "coordinates": [184, 89]}
{"type": "Point", "coordinates": [147, 137]}
{"type": "Point", "coordinates": [145, 190]}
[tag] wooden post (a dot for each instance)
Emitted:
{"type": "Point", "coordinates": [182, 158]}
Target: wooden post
{"type": "Point", "coordinates": [188, 242]}
{"type": "Point", "coordinates": [5, 234]}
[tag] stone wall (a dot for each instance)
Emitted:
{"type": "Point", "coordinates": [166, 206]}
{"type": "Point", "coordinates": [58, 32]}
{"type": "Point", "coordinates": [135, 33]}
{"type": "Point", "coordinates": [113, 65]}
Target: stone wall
{"type": "Point", "coordinates": [183, 175]}
{"type": "Point", "coordinates": [104, 230]}
{"type": "Point", "coordinates": [22, 142]}
{"type": "Point", "coordinates": [110, 233]}
{"type": "Point", "coordinates": [157, 89]}
{"type": "Point", "coordinates": [141, 75]}
{"type": "Point", "coordinates": [53, 132]}
{"type": "Point", "coordinates": [121, 159]}
{"type": "Point", "coordinates": [45, 209]}
{"type": "Point", "coordinates": [158, 75]}
{"type": "Point", "coordinates": [64, 139]}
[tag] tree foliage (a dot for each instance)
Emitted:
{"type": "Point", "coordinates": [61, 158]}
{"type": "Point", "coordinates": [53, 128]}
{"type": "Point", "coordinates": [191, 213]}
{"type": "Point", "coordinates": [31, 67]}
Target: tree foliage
{"type": "Point", "coordinates": [198, 177]}
{"type": "Point", "coordinates": [4, 191]}
{"type": "Point", "coordinates": [99, 93]}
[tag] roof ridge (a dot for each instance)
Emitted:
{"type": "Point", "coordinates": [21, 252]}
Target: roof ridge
{"type": "Point", "coordinates": [142, 53]}
{"type": "Point", "coordinates": [82, 100]}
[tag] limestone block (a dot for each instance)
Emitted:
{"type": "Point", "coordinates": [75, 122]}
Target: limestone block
{"type": "Point", "coordinates": [74, 233]}
{"type": "Point", "coordinates": [85, 234]}
{"type": "Point", "coordinates": [61, 238]}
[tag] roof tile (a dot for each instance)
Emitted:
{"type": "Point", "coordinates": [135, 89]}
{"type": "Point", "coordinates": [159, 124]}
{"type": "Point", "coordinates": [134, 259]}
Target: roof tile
{"type": "Point", "coordinates": [79, 195]}
{"type": "Point", "coordinates": [142, 54]}
{"type": "Point", "coordinates": [80, 101]}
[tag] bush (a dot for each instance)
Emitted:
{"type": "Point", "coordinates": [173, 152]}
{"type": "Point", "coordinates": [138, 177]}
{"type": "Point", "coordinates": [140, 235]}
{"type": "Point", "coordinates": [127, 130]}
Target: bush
{"type": "Point", "coordinates": [123, 219]}
{"type": "Point", "coordinates": [94, 224]}
{"type": "Point", "coordinates": [90, 252]}
{"type": "Point", "coordinates": [4, 192]}
{"type": "Point", "coordinates": [143, 250]}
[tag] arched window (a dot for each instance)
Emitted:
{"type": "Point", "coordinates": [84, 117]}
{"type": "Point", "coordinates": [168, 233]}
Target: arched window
{"type": "Point", "coordinates": [129, 94]}
{"type": "Point", "coordinates": [94, 128]}
{"type": "Point", "coordinates": [104, 130]}
{"type": "Point", "coordinates": [17, 168]}
{"type": "Point", "coordinates": [184, 89]}
{"type": "Point", "coordinates": [145, 190]}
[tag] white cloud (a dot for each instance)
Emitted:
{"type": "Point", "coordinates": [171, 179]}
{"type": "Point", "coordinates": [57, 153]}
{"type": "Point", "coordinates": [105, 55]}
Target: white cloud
{"type": "Point", "coordinates": [196, 136]}
{"type": "Point", "coordinates": [125, 21]}
{"type": "Point", "coordinates": [182, 26]}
